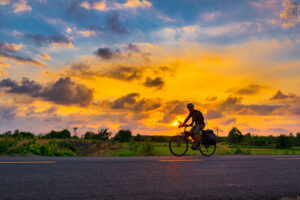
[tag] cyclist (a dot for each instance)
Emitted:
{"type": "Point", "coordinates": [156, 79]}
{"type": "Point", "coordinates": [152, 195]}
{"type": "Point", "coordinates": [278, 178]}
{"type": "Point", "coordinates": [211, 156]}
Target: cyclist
{"type": "Point", "coordinates": [198, 119]}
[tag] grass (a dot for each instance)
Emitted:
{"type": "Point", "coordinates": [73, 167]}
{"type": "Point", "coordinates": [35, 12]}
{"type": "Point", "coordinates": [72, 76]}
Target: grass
{"type": "Point", "coordinates": [82, 147]}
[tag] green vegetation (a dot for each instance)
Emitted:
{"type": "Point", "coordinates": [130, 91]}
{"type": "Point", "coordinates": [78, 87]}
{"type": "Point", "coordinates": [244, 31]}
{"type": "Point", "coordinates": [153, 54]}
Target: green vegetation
{"type": "Point", "coordinates": [61, 143]}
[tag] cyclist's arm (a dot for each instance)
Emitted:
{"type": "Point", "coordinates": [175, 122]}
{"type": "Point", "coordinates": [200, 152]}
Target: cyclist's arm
{"type": "Point", "coordinates": [187, 119]}
{"type": "Point", "coordinates": [192, 123]}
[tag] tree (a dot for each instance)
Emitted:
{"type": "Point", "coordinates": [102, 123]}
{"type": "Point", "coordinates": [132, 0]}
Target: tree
{"type": "Point", "coordinates": [123, 136]}
{"type": "Point", "coordinates": [103, 134]}
{"type": "Point", "coordinates": [89, 135]}
{"type": "Point", "coordinates": [283, 142]}
{"type": "Point", "coordinates": [235, 136]}
{"type": "Point", "coordinates": [59, 134]}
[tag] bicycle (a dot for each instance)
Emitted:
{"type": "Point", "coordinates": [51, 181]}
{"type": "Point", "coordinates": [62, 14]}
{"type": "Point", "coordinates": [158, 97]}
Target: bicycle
{"type": "Point", "coordinates": [178, 144]}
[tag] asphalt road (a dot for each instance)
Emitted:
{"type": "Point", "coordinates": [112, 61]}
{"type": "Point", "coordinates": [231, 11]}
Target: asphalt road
{"type": "Point", "coordinates": [163, 177]}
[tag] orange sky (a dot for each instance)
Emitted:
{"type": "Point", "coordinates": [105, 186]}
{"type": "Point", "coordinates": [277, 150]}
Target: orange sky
{"type": "Point", "coordinates": [238, 71]}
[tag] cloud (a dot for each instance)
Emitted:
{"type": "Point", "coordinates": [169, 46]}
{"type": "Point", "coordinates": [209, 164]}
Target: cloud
{"type": "Point", "coordinates": [233, 105]}
{"type": "Point", "coordinates": [87, 33]}
{"type": "Point", "coordinates": [82, 70]}
{"type": "Point", "coordinates": [249, 90]}
{"type": "Point", "coordinates": [2, 73]}
{"type": "Point", "coordinates": [213, 98]}
{"type": "Point", "coordinates": [54, 40]}
{"type": "Point", "coordinates": [21, 60]}
{"type": "Point", "coordinates": [156, 82]}
{"type": "Point", "coordinates": [130, 102]}
{"type": "Point", "coordinates": [229, 121]}
{"type": "Point", "coordinates": [124, 101]}
{"type": "Point", "coordinates": [7, 112]}
{"type": "Point", "coordinates": [44, 56]}
{"type": "Point", "coordinates": [100, 5]}
{"type": "Point", "coordinates": [124, 73]}
{"type": "Point", "coordinates": [210, 16]}
{"type": "Point", "coordinates": [258, 109]}
{"type": "Point", "coordinates": [21, 6]}
{"type": "Point", "coordinates": [113, 23]}
{"type": "Point", "coordinates": [134, 4]}
{"type": "Point", "coordinates": [173, 108]}
{"type": "Point", "coordinates": [106, 54]}
{"type": "Point", "coordinates": [132, 47]}
{"type": "Point", "coordinates": [213, 114]}
{"type": "Point", "coordinates": [280, 95]}
{"type": "Point", "coordinates": [10, 47]}
{"type": "Point", "coordinates": [4, 2]}
{"type": "Point", "coordinates": [64, 91]}
{"type": "Point", "coordinates": [107, 5]}
{"type": "Point", "coordinates": [291, 10]}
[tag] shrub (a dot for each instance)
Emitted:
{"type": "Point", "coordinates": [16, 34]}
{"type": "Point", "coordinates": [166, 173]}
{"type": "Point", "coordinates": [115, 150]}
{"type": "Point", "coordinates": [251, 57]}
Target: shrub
{"type": "Point", "coordinates": [283, 142]}
{"type": "Point", "coordinates": [58, 134]}
{"type": "Point", "coordinates": [123, 136]}
{"type": "Point", "coordinates": [235, 136]}
{"type": "Point", "coordinates": [147, 149]}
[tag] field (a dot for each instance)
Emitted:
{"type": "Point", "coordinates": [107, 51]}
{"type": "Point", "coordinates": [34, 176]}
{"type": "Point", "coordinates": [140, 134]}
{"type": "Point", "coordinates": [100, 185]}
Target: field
{"type": "Point", "coordinates": [85, 147]}
{"type": "Point", "coordinates": [222, 149]}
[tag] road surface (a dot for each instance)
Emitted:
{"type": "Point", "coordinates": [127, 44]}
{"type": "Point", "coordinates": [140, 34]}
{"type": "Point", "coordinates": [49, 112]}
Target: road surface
{"type": "Point", "coordinates": [158, 177]}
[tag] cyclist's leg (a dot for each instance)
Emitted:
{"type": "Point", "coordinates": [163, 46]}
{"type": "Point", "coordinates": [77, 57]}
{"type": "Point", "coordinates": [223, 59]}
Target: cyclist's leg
{"type": "Point", "coordinates": [192, 132]}
{"type": "Point", "coordinates": [197, 130]}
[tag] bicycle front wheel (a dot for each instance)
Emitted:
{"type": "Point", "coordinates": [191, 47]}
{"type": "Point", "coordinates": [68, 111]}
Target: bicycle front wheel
{"type": "Point", "coordinates": [178, 146]}
{"type": "Point", "coordinates": [207, 150]}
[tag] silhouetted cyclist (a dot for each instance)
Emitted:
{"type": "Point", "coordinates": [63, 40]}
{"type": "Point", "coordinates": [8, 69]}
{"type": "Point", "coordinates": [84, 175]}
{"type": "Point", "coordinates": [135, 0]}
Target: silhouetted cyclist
{"type": "Point", "coordinates": [198, 119]}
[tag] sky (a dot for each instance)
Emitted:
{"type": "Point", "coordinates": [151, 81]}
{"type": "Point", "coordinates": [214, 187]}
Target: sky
{"type": "Point", "coordinates": [135, 64]}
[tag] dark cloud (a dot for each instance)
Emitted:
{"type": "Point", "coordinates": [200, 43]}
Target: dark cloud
{"type": "Point", "coordinates": [122, 102]}
{"type": "Point", "coordinates": [31, 110]}
{"type": "Point", "coordinates": [230, 103]}
{"type": "Point", "coordinates": [9, 52]}
{"type": "Point", "coordinates": [41, 40]}
{"type": "Point", "coordinates": [64, 91]}
{"type": "Point", "coordinates": [251, 89]}
{"type": "Point", "coordinates": [156, 82]}
{"type": "Point", "coordinates": [172, 109]}
{"type": "Point", "coordinates": [229, 121]}
{"type": "Point", "coordinates": [280, 95]}
{"type": "Point", "coordinates": [258, 109]}
{"type": "Point", "coordinates": [211, 98]}
{"type": "Point", "coordinates": [132, 47]}
{"type": "Point", "coordinates": [82, 70]}
{"type": "Point", "coordinates": [113, 23]}
{"type": "Point", "coordinates": [233, 105]}
{"type": "Point", "coordinates": [130, 102]}
{"type": "Point", "coordinates": [213, 114]}
{"type": "Point", "coordinates": [7, 112]}
{"type": "Point", "coordinates": [106, 54]}
{"type": "Point", "coordinates": [125, 73]}
{"type": "Point", "coordinates": [277, 131]}
{"type": "Point", "coordinates": [22, 60]}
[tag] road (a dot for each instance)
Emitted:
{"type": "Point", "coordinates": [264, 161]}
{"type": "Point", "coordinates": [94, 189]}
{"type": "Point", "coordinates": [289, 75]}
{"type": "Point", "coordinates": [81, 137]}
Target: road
{"type": "Point", "coordinates": [158, 177]}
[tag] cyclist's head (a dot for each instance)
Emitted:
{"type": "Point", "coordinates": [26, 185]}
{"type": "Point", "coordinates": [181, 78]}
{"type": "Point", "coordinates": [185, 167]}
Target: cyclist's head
{"type": "Point", "coordinates": [190, 106]}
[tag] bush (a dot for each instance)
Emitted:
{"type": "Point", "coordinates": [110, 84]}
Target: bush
{"type": "Point", "coordinates": [235, 136]}
{"type": "Point", "coordinates": [58, 134]}
{"type": "Point", "coordinates": [147, 149]}
{"type": "Point", "coordinates": [283, 142]}
{"type": "Point", "coordinates": [123, 136]}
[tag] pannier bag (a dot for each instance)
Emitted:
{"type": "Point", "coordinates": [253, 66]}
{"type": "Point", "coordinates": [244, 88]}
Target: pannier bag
{"type": "Point", "coordinates": [209, 137]}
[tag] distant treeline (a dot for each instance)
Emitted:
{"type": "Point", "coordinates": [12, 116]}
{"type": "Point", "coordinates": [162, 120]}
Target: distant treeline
{"type": "Point", "coordinates": [235, 137]}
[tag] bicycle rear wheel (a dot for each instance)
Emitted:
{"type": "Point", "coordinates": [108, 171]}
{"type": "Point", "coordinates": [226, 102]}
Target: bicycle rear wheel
{"type": "Point", "coordinates": [178, 146]}
{"type": "Point", "coordinates": [207, 150]}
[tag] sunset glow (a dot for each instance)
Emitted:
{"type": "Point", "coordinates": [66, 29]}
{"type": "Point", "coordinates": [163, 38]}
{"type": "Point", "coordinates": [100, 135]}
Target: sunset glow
{"type": "Point", "coordinates": [135, 64]}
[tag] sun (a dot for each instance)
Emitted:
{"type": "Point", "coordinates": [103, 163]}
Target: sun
{"type": "Point", "coordinates": [175, 123]}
